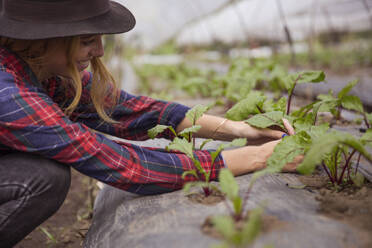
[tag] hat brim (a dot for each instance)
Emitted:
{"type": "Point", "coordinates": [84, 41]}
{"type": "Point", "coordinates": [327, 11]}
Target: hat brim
{"type": "Point", "coordinates": [118, 20]}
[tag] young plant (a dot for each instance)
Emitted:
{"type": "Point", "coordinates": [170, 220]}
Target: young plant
{"type": "Point", "coordinates": [344, 100]}
{"type": "Point", "coordinates": [228, 225]}
{"type": "Point", "coordinates": [302, 77]}
{"type": "Point", "coordinates": [334, 151]}
{"type": "Point", "coordinates": [257, 104]}
{"type": "Point", "coordinates": [185, 143]}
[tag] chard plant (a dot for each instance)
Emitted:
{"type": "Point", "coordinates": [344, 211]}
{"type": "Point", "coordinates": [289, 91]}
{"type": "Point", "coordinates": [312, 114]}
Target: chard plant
{"type": "Point", "coordinates": [334, 104]}
{"type": "Point", "coordinates": [255, 103]}
{"type": "Point", "coordinates": [334, 151]}
{"type": "Point", "coordinates": [310, 138]}
{"type": "Point", "coordinates": [240, 228]}
{"type": "Point", "coordinates": [185, 143]}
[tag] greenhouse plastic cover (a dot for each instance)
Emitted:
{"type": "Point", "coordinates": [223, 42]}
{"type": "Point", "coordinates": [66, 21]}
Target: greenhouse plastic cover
{"type": "Point", "coordinates": [202, 21]}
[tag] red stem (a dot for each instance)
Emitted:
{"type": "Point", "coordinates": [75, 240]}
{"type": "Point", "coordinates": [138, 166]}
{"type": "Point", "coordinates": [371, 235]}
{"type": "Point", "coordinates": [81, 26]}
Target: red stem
{"type": "Point", "coordinates": [336, 153]}
{"type": "Point", "coordinates": [329, 175]}
{"type": "Point", "coordinates": [245, 200]}
{"type": "Point", "coordinates": [229, 209]}
{"type": "Point", "coordinates": [291, 94]}
{"type": "Point", "coordinates": [366, 121]}
{"type": "Point", "coordinates": [260, 109]}
{"type": "Point", "coordinates": [346, 165]}
{"type": "Point", "coordinates": [207, 191]}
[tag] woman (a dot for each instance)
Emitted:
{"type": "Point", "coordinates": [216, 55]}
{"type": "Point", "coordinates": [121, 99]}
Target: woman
{"type": "Point", "coordinates": [51, 107]}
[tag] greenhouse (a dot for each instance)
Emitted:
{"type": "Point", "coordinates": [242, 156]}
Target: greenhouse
{"type": "Point", "coordinates": [277, 149]}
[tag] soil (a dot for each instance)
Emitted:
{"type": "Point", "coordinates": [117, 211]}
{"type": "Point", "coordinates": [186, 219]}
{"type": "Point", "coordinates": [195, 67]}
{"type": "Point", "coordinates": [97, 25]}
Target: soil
{"type": "Point", "coordinates": [269, 223]}
{"type": "Point", "coordinates": [212, 199]}
{"type": "Point", "coordinates": [351, 205]}
{"type": "Point", "coordinates": [71, 222]}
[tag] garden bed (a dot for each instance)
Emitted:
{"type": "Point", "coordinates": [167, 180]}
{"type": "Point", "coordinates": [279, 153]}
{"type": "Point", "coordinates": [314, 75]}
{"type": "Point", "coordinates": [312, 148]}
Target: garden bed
{"type": "Point", "coordinates": [172, 220]}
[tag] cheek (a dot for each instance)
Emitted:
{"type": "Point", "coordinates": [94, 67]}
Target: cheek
{"type": "Point", "coordinates": [59, 66]}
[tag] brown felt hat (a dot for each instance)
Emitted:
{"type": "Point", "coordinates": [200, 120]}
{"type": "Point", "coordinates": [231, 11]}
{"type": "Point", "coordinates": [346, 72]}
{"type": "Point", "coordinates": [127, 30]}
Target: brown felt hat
{"type": "Point", "coordinates": [40, 19]}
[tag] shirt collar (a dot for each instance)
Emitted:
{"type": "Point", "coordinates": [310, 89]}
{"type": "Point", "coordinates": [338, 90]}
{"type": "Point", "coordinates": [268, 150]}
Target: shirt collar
{"type": "Point", "coordinates": [10, 61]}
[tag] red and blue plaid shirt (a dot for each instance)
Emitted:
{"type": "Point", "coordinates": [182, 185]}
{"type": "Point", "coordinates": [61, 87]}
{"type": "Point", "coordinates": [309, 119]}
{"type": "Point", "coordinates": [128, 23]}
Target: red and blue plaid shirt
{"type": "Point", "coordinates": [31, 120]}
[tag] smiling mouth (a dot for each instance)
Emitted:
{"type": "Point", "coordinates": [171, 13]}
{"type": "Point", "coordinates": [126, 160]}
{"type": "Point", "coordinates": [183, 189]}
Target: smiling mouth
{"type": "Point", "coordinates": [83, 65]}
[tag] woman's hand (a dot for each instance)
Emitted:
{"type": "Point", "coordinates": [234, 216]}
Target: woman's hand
{"type": "Point", "coordinates": [256, 136]}
{"type": "Point", "coordinates": [252, 158]}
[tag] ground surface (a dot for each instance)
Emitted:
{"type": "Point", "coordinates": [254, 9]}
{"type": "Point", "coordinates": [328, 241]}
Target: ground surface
{"type": "Point", "coordinates": [351, 205]}
{"type": "Point", "coordinates": [69, 225]}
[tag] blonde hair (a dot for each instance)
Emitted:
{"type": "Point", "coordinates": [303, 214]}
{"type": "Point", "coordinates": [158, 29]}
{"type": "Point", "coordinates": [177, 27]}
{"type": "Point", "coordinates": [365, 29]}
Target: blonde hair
{"type": "Point", "coordinates": [104, 91]}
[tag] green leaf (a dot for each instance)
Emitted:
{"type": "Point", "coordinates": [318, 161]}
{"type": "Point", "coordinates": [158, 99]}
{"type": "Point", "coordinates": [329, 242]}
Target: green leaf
{"type": "Point", "coordinates": [191, 173]}
{"type": "Point", "coordinates": [153, 132]}
{"type": "Point", "coordinates": [316, 132]}
{"type": "Point", "coordinates": [252, 227]}
{"type": "Point", "coordinates": [193, 129]}
{"type": "Point", "coordinates": [369, 118]}
{"type": "Point", "coordinates": [332, 160]}
{"type": "Point", "coordinates": [352, 103]}
{"type": "Point", "coordinates": [325, 145]}
{"type": "Point", "coordinates": [187, 186]}
{"type": "Point", "coordinates": [238, 205]}
{"type": "Point", "coordinates": [236, 143]}
{"type": "Point", "coordinates": [286, 151]}
{"type": "Point", "coordinates": [204, 143]}
{"type": "Point", "coordinates": [181, 145]}
{"type": "Point", "coordinates": [246, 107]}
{"type": "Point", "coordinates": [51, 238]}
{"type": "Point", "coordinates": [366, 139]}
{"type": "Point", "coordinates": [280, 105]}
{"type": "Point", "coordinates": [327, 105]}
{"type": "Point", "coordinates": [302, 111]}
{"type": "Point", "coordinates": [196, 112]}
{"type": "Point", "coordinates": [311, 77]}
{"type": "Point", "coordinates": [266, 120]}
{"type": "Point", "coordinates": [225, 225]}
{"type": "Point", "coordinates": [228, 184]}
{"type": "Point", "coordinates": [358, 179]}
{"type": "Point", "coordinates": [347, 89]}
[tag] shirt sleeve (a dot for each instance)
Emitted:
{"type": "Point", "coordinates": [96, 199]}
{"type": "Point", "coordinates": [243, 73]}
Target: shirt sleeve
{"type": "Point", "coordinates": [31, 122]}
{"type": "Point", "coordinates": [135, 114]}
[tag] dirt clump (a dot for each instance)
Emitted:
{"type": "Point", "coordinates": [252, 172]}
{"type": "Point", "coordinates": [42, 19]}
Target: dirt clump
{"type": "Point", "coordinates": [349, 204]}
{"type": "Point", "coordinates": [214, 198]}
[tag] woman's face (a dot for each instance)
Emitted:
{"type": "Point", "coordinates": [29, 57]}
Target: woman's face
{"type": "Point", "coordinates": [90, 47]}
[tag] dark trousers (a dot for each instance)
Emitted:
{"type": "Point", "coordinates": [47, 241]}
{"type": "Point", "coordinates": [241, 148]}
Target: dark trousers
{"type": "Point", "coordinates": [32, 189]}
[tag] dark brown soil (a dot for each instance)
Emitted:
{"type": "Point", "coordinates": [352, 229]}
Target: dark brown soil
{"type": "Point", "coordinates": [351, 205]}
{"type": "Point", "coordinates": [70, 224]}
{"type": "Point", "coordinates": [269, 223]}
{"type": "Point", "coordinates": [212, 199]}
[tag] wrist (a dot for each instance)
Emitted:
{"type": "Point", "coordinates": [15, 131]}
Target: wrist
{"type": "Point", "coordinates": [238, 129]}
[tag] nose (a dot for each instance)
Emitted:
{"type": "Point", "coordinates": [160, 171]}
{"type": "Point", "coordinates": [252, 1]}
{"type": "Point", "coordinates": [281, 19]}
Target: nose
{"type": "Point", "coordinates": [97, 50]}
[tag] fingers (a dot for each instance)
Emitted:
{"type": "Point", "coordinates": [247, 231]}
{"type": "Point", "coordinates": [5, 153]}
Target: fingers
{"type": "Point", "coordinates": [292, 166]}
{"type": "Point", "coordinates": [288, 126]}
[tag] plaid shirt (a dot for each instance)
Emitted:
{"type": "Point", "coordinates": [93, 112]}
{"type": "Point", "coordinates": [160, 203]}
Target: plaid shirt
{"type": "Point", "coordinates": [31, 120]}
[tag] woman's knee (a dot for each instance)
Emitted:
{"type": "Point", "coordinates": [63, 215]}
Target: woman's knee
{"type": "Point", "coordinates": [32, 188]}
{"type": "Point", "coordinates": [43, 177]}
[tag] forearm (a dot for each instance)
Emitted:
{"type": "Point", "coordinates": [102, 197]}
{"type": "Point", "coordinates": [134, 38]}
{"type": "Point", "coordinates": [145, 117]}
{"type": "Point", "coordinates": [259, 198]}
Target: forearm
{"type": "Point", "coordinates": [211, 128]}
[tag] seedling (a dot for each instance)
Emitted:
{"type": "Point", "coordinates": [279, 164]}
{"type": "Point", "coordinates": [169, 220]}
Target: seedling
{"type": "Point", "coordinates": [257, 104]}
{"type": "Point", "coordinates": [185, 143]}
{"type": "Point", "coordinates": [343, 100]}
{"type": "Point", "coordinates": [334, 151]}
{"type": "Point", "coordinates": [250, 226]}
{"type": "Point", "coordinates": [51, 239]}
